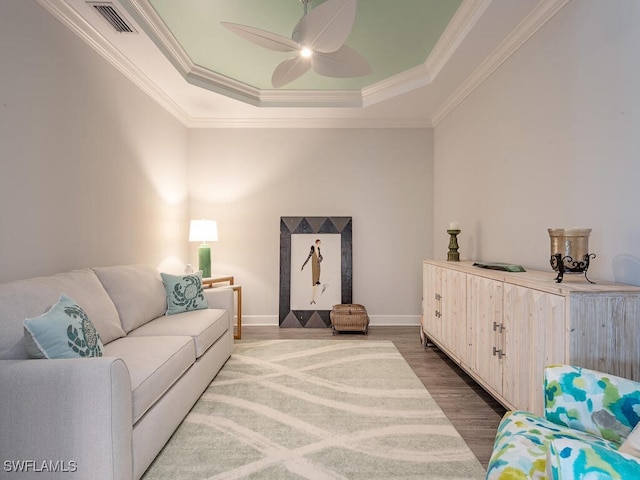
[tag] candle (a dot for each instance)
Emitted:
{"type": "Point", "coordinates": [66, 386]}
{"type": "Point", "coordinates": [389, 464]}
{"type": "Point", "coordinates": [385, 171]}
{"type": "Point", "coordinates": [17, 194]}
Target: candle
{"type": "Point", "coordinates": [454, 225]}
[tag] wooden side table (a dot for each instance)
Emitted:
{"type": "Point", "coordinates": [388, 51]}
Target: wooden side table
{"type": "Point", "coordinates": [210, 281]}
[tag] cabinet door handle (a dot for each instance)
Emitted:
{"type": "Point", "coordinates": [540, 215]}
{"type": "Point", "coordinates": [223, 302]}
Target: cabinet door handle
{"type": "Point", "coordinates": [499, 353]}
{"type": "Point", "coordinates": [499, 327]}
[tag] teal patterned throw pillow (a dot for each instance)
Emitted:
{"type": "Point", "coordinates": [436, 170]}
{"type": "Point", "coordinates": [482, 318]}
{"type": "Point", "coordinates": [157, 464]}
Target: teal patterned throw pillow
{"type": "Point", "coordinates": [64, 331]}
{"type": "Point", "coordinates": [184, 293]}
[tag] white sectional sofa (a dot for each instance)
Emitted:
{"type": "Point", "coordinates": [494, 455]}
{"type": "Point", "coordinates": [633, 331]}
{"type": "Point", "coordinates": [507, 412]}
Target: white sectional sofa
{"type": "Point", "coordinates": [104, 417]}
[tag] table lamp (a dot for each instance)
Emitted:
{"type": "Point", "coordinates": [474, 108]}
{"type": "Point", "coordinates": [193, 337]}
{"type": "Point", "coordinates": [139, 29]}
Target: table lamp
{"type": "Point", "coordinates": [204, 231]}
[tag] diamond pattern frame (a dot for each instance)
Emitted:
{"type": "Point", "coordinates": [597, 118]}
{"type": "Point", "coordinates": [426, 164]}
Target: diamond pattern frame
{"type": "Point", "coordinates": [289, 318]}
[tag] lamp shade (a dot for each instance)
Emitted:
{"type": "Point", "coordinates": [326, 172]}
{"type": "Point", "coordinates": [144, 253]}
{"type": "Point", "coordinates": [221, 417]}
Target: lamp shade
{"type": "Point", "coordinates": [203, 231]}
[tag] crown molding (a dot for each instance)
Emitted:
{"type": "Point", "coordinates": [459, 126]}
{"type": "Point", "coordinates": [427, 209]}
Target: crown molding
{"type": "Point", "coordinates": [146, 16]}
{"type": "Point", "coordinates": [69, 17]}
{"type": "Point", "coordinates": [213, 81]}
{"type": "Point", "coordinates": [404, 82]}
{"type": "Point", "coordinates": [229, 87]}
{"type": "Point", "coordinates": [333, 122]}
{"type": "Point", "coordinates": [467, 15]}
{"type": "Point", "coordinates": [202, 77]}
{"type": "Point", "coordinates": [159, 33]}
{"type": "Point", "coordinates": [460, 25]}
{"type": "Point", "coordinates": [311, 98]}
{"type": "Point", "coordinates": [541, 14]}
{"type": "Point", "coordinates": [462, 22]}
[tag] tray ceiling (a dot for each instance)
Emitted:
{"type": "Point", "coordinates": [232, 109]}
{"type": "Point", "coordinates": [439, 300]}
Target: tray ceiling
{"type": "Point", "coordinates": [393, 36]}
{"type": "Point", "coordinates": [426, 55]}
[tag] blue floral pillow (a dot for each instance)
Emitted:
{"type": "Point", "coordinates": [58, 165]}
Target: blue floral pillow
{"type": "Point", "coordinates": [184, 292]}
{"type": "Point", "coordinates": [64, 331]}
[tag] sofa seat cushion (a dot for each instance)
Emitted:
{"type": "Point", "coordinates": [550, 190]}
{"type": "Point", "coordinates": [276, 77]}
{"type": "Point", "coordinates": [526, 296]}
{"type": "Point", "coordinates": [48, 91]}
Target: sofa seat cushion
{"type": "Point", "coordinates": [522, 442]}
{"type": "Point", "coordinates": [137, 292]}
{"type": "Point", "coordinates": [205, 326]}
{"type": "Point", "coordinates": [154, 364]}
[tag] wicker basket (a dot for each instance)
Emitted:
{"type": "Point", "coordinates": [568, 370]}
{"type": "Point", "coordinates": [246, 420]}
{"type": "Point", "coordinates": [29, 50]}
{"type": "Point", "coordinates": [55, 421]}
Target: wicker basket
{"type": "Point", "coordinates": [349, 317]}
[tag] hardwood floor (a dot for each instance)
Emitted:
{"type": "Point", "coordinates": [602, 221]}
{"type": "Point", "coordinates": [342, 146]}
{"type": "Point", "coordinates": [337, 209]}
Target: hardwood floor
{"type": "Point", "coordinates": [471, 410]}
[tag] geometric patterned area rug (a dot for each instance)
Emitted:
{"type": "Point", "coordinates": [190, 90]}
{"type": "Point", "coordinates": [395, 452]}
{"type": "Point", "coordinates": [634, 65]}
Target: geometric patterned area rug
{"type": "Point", "coordinates": [317, 410]}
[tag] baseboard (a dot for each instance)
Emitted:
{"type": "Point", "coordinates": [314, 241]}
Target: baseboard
{"type": "Point", "coordinates": [394, 320]}
{"type": "Point", "coordinates": [379, 320]}
{"type": "Point", "coordinates": [260, 320]}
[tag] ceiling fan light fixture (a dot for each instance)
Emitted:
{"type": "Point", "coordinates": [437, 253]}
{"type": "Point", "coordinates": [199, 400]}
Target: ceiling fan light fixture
{"type": "Point", "coordinates": [319, 41]}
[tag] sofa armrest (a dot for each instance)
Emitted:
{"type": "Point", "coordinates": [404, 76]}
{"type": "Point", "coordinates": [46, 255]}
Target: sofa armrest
{"type": "Point", "coordinates": [63, 416]}
{"type": "Point", "coordinates": [590, 401]}
{"type": "Point", "coordinates": [568, 459]}
{"type": "Point", "coordinates": [221, 297]}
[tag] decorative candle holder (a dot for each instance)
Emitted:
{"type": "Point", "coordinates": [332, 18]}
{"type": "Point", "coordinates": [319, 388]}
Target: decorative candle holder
{"type": "Point", "coordinates": [567, 245]}
{"type": "Point", "coordinates": [453, 255]}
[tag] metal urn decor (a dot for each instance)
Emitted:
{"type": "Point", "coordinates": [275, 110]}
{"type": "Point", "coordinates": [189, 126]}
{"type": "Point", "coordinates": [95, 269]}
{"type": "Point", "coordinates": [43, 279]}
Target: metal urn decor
{"type": "Point", "coordinates": [570, 251]}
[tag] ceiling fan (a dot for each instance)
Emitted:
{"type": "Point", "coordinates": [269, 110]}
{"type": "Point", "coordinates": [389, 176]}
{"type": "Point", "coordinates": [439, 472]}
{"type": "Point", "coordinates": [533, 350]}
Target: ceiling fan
{"type": "Point", "coordinates": [318, 39]}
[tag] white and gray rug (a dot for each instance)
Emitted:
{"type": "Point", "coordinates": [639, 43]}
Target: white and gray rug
{"type": "Point", "coordinates": [318, 410]}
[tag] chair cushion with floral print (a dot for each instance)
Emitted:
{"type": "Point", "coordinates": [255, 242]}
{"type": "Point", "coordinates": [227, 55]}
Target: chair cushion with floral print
{"type": "Point", "coordinates": [594, 409]}
{"type": "Point", "coordinates": [522, 441]}
{"type": "Point", "coordinates": [590, 401]}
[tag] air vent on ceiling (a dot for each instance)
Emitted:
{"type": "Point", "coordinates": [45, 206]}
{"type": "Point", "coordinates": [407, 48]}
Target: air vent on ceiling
{"type": "Point", "coordinates": [113, 17]}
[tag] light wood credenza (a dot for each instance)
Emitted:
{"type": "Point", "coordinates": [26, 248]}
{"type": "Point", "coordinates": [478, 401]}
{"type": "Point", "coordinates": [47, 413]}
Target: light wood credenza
{"type": "Point", "coordinates": [503, 328]}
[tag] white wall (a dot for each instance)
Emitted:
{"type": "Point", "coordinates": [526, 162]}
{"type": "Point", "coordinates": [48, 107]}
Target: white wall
{"type": "Point", "coordinates": [246, 179]}
{"type": "Point", "coordinates": [93, 172]}
{"type": "Point", "coordinates": [551, 139]}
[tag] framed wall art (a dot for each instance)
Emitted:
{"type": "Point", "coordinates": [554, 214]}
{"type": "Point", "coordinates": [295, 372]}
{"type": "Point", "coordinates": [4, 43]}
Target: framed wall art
{"type": "Point", "coordinates": [315, 269]}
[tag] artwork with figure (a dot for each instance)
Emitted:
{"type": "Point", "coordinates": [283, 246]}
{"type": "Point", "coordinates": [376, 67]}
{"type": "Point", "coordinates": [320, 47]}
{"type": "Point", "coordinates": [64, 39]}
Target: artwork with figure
{"type": "Point", "coordinates": [315, 269]}
{"type": "Point", "coordinates": [315, 255]}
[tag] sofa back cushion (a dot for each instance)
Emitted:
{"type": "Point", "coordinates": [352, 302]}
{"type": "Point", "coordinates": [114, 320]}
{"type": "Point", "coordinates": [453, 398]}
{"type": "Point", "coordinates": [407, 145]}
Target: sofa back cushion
{"type": "Point", "coordinates": [32, 297]}
{"type": "Point", "coordinates": [137, 292]}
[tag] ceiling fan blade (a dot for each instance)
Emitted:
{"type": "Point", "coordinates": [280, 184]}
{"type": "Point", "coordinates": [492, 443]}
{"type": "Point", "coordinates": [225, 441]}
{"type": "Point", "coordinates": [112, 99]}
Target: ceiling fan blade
{"type": "Point", "coordinates": [344, 63]}
{"type": "Point", "coordinates": [326, 27]}
{"type": "Point", "coordinates": [289, 70]}
{"type": "Point", "coordinates": [265, 39]}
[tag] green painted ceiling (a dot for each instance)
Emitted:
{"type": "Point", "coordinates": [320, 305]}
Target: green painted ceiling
{"type": "Point", "coordinates": [394, 36]}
